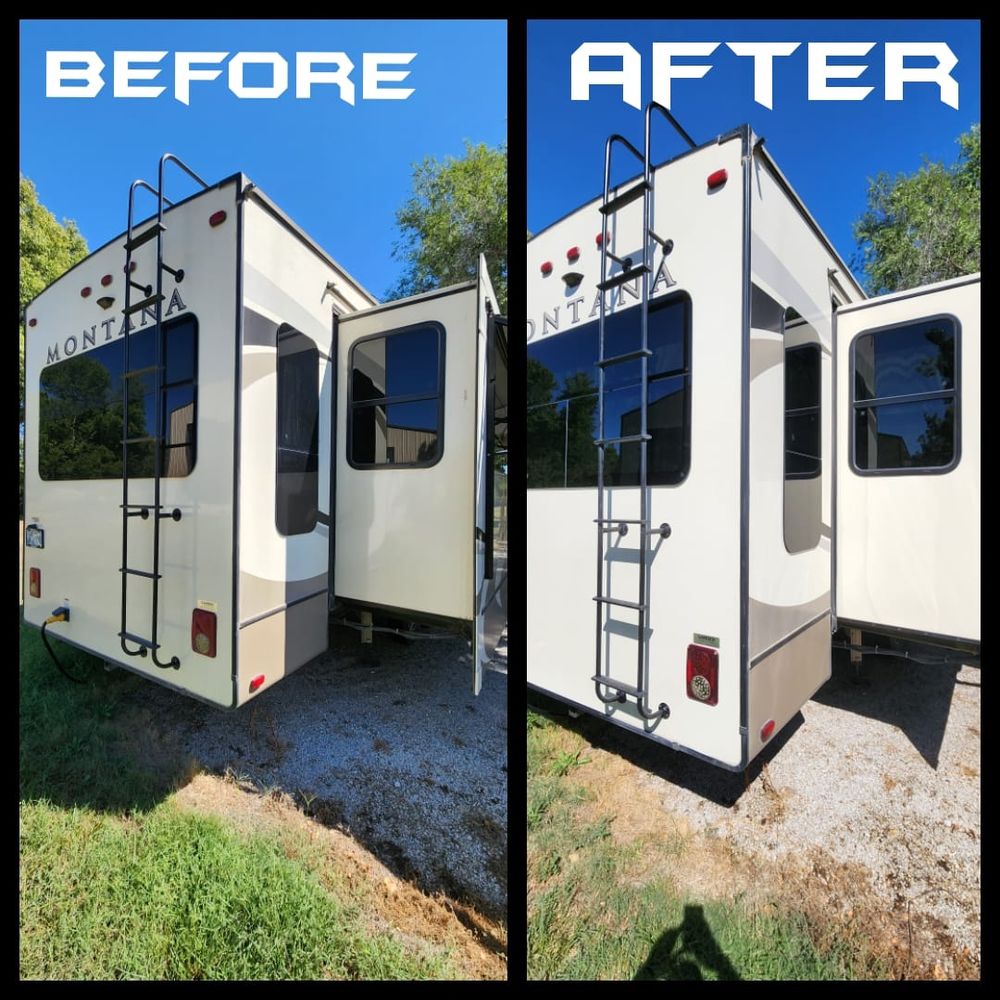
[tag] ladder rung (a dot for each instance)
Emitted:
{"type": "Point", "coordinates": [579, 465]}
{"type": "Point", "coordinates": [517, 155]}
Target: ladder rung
{"type": "Point", "coordinates": [618, 520]}
{"type": "Point", "coordinates": [140, 506]}
{"type": "Point", "coordinates": [619, 686]}
{"type": "Point", "coordinates": [628, 439]}
{"type": "Point", "coordinates": [625, 198]}
{"type": "Point", "coordinates": [141, 572]}
{"type": "Point", "coordinates": [144, 237]}
{"type": "Point", "coordinates": [618, 359]}
{"type": "Point", "coordinates": [622, 604]}
{"type": "Point", "coordinates": [143, 304]}
{"type": "Point", "coordinates": [143, 371]}
{"type": "Point", "coordinates": [140, 440]}
{"type": "Point", "coordinates": [138, 639]}
{"type": "Point", "coordinates": [622, 276]}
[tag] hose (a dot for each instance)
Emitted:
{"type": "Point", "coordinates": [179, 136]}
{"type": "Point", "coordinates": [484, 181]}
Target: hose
{"type": "Point", "coordinates": [942, 661]}
{"type": "Point", "coordinates": [59, 615]}
{"type": "Point", "coordinates": [396, 631]}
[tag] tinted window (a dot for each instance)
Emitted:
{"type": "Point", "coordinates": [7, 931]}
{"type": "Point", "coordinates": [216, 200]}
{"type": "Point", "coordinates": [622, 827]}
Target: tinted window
{"type": "Point", "coordinates": [802, 411]}
{"type": "Point", "coordinates": [80, 408]}
{"type": "Point", "coordinates": [297, 440]}
{"type": "Point", "coordinates": [905, 400]}
{"type": "Point", "coordinates": [562, 417]}
{"type": "Point", "coordinates": [396, 398]}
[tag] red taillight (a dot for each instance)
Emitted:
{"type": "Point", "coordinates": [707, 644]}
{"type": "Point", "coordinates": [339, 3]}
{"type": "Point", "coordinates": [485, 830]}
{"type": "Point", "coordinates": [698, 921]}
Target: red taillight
{"type": "Point", "coordinates": [717, 179]}
{"type": "Point", "coordinates": [599, 239]}
{"type": "Point", "coordinates": [703, 674]}
{"type": "Point", "coordinates": [203, 632]}
{"type": "Point", "coordinates": [85, 291]}
{"type": "Point", "coordinates": [256, 683]}
{"type": "Point", "coordinates": [217, 218]}
{"type": "Point", "coordinates": [106, 280]}
{"type": "Point", "coordinates": [766, 730]}
{"type": "Point", "coordinates": [547, 267]}
{"type": "Point", "coordinates": [573, 253]}
{"type": "Point", "coordinates": [35, 582]}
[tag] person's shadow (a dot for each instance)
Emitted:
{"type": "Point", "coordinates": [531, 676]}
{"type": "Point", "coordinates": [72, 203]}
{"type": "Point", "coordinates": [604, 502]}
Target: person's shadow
{"type": "Point", "coordinates": [683, 952]}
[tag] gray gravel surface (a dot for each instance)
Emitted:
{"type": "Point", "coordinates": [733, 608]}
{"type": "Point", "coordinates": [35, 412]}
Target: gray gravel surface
{"type": "Point", "coordinates": [880, 770]}
{"type": "Point", "coordinates": [387, 743]}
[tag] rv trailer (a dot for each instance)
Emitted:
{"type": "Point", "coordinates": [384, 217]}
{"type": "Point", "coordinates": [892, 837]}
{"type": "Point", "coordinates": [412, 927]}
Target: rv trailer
{"type": "Point", "coordinates": [730, 452]}
{"type": "Point", "coordinates": [228, 440]}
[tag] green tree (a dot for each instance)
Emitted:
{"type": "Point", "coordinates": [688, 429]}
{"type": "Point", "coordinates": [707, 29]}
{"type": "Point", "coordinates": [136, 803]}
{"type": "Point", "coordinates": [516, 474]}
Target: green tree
{"type": "Point", "coordinates": [925, 226]}
{"type": "Point", "coordinates": [458, 210]}
{"type": "Point", "coordinates": [47, 249]}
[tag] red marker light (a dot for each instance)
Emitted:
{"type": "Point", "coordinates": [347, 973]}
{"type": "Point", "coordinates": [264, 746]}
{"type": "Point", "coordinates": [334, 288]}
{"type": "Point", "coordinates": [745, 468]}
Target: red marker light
{"type": "Point", "coordinates": [35, 582]}
{"type": "Point", "coordinates": [717, 179]}
{"type": "Point", "coordinates": [85, 291]}
{"type": "Point", "coordinates": [599, 239]}
{"type": "Point", "coordinates": [547, 267]}
{"type": "Point", "coordinates": [256, 682]}
{"type": "Point", "coordinates": [217, 218]}
{"type": "Point", "coordinates": [32, 322]}
{"type": "Point", "coordinates": [766, 730]}
{"type": "Point", "coordinates": [106, 280]}
{"type": "Point", "coordinates": [572, 254]}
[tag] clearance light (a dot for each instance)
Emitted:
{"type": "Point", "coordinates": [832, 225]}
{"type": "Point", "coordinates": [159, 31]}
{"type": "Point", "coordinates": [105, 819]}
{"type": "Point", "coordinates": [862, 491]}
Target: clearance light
{"type": "Point", "coordinates": [547, 267]}
{"type": "Point", "coordinates": [717, 179]}
{"type": "Point", "coordinates": [106, 280]}
{"type": "Point", "coordinates": [203, 624]}
{"type": "Point", "coordinates": [85, 291]}
{"type": "Point", "coordinates": [703, 674]}
{"type": "Point", "coordinates": [32, 322]}
{"type": "Point", "coordinates": [256, 683]}
{"type": "Point", "coordinates": [599, 239]}
{"type": "Point", "coordinates": [767, 730]}
{"type": "Point", "coordinates": [217, 218]}
{"type": "Point", "coordinates": [35, 582]}
{"type": "Point", "coordinates": [572, 254]}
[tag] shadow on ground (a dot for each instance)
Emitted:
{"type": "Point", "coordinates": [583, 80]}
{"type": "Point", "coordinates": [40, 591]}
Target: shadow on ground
{"type": "Point", "coordinates": [687, 951]}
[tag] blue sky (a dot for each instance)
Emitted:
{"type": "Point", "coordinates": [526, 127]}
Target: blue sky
{"type": "Point", "coordinates": [827, 149]}
{"type": "Point", "coordinates": [339, 171]}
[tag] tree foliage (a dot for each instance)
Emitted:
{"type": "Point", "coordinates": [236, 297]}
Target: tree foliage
{"type": "Point", "coordinates": [458, 210]}
{"type": "Point", "coordinates": [47, 249]}
{"type": "Point", "coordinates": [925, 226]}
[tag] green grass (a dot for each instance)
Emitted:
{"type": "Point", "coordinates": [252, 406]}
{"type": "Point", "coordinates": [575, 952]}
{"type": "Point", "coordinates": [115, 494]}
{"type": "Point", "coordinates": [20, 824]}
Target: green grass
{"type": "Point", "coordinates": [592, 917]}
{"type": "Point", "coordinates": [117, 882]}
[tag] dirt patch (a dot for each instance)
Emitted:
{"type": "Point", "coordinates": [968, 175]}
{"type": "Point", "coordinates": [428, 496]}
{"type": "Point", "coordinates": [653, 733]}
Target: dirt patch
{"type": "Point", "coordinates": [476, 944]}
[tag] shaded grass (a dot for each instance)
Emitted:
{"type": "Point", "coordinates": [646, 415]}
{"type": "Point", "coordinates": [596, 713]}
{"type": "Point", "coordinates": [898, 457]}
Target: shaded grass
{"type": "Point", "coordinates": [591, 918]}
{"type": "Point", "coordinates": [119, 883]}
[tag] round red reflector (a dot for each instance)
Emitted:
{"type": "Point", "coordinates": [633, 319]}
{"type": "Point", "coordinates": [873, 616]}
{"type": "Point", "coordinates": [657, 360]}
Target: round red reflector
{"type": "Point", "coordinates": [572, 253]}
{"type": "Point", "coordinates": [599, 239]}
{"type": "Point", "coordinates": [547, 267]}
{"type": "Point", "coordinates": [717, 179]}
{"type": "Point", "coordinates": [216, 219]}
{"type": "Point", "coordinates": [32, 322]}
{"type": "Point", "coordinates": [106, 280]}
{"type": "Point", "coordinates": [766, 730]}
{"type": "Point", "coordinates": [85, 291]}
{"type": "Point", "coordinates": [256, 683]}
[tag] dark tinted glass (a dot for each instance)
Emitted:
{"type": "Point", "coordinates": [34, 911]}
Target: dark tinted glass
{"type": "Point", "coordinates": [802, 377]}
{"type": "Point", "coordinates": [802, 455]}
{"type": "Point", "coordinates": [919, 357]}
{"type": "Point", "coordinates": [905, 435]}
{"type": "Point", "coordinates": [563, 401]}
{"type": "Point", "coordinates": [297, 458]}
{"type": "Point", "coordinates": [80, 408]}
{"type": "Point", "coordinates": [401, 364]}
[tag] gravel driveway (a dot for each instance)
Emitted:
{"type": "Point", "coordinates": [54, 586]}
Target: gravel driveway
{"type": "Point", "coordinates": [388, 744]}
{"type": "Point", "coordinates": [869, 801]}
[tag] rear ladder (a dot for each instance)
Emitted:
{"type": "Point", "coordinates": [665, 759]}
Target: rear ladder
{"type": "Point", "coordinates": [621, 691]}
{"type": "Point", "coordinates": [143, 510]}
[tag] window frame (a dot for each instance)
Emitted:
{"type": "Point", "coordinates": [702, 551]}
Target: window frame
{"type": "Point", "coordinates": [659, 302]}
{"type": "Point", "coordinates": [286, 330]}
{"type": "Point", "coordinates": [955, 394]}
{"type": "Point", "coordinates": [165, 326]}
{"type": "Point", "coordinates": [387, 401]}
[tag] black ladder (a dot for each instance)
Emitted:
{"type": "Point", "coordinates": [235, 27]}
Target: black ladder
{"type": "Point", "coordinates": [143, 511]}
{"type": "Point", "coordinates": [621, 691]}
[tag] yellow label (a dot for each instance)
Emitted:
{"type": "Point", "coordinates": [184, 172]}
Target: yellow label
{"type": "Point", "coordinates": [208, 606]}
